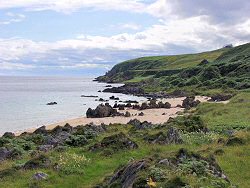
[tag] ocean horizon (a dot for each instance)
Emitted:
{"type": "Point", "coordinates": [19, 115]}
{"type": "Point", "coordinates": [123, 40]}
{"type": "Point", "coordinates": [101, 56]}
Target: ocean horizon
{"type": "Point", "coordinates": [24, 99]}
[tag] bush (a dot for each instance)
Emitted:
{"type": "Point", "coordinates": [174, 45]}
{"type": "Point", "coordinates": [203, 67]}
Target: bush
{"type": "Point", "coordinates": [79, 140]}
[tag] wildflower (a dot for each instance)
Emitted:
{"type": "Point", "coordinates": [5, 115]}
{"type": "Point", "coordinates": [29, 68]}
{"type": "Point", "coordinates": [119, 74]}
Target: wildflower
{"type": "Point", "coordinates": [151, 183]}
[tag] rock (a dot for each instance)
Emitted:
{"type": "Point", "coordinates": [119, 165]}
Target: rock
{"type": "Point", "coordinates": [234, 141]}
{"type": "Point", "coordinates": [102, 111]}
{"type": "Point", "coordinates": [108, 86]}
{"type": "Point", "coordinates": [221, 97]}
{"type": "Point", "coordinates": [133, 89]}
{"type": "Point", "coordinates": [138, 125]}
{"type": "Point", "coordinates": [89, 96]}
{"type": "Point", "coordinates": [41, 130]}
{"type": "Point", "coordinates": [141, 114]}
{"type": "Point", "coordinates": [128, 105]}
{"type": "Point", "coordinates": [9, 135]}
{"type": "Point", "coordinates": [77, 141]}
{"type": "Point", "coordinates": [39, 162]}
{"type": "Point", "coordinates": [131, 101]}
{"type": "Point", "coordinates": [171, 137]}
{"type": "Point", "coordinates": [127, 114]}
{"type": "Point", "coordinates": [4, 153]}
{"type": "Point", "coordinates": [144, 106]}
{"type": "Point", "coordinates": [203, 62]}
{"type": "Point", "coordinates": [114, 98]}
{"type": "Point", "coordinates": [115, 143]}
{"type": "Point", "coordinates": [126, 176]}
{"type": "Point", "coordinates": [121, 107]}
{"type": "Point", "coordinates": [40, 176]}
{"type": "Point", "coordinates": [45, 148]}
{"type": "Point", "coordinates": [190, 102]}
{"type": "Point", "coordinates": [52, 103]}
{"type": "Point", "coordinates": [99, 91]}
{"type": "Point", "coordinates": [101, 100]}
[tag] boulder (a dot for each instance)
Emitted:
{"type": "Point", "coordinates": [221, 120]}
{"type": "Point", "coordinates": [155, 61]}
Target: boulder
{"type": "Point", "coordinates": [52, 103]}
{"type": "Point", "coordinates": [9, 135]}
{"type": "Point", "coordinates": [41, 130]}
{"type": "Point", "coordinates": [141, 114]}
{"type": "Point", "coordinates": [172, 136]}
{"type": "Point", "coordinates": [41, 161]}
{"type": "Point", "coordinates": [221, 97]}
{"type": "Point", "coordinates": [114, 98]}
{"type": "Point", "coordinates": [140, 125]}
{"type": "Point", "coordinates": [115, 143]}
{"type": "Point", "coordinates": [45, 148]}
{"type": "Point", "coordinates": [126, 176]}
{"type": "Point", "coordinates": [127, 114]}
{"type": "Point", "coordinates": [40, 176]}
{"type": "Point", "coordinates": [102, 111]}
{"type": "Point", "coordinates": [190, 102]}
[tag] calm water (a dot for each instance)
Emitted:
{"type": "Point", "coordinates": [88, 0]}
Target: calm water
{"type": "Point", "coordinates": [23, 100]}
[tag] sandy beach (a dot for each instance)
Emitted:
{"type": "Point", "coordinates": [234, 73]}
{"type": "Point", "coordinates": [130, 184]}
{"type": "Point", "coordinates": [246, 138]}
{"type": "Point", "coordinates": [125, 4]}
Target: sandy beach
{"type": "Point", "coordinates": [155, 116]}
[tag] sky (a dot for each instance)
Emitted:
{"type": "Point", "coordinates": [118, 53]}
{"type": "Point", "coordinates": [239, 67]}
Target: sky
{"type": "Point", "coordinates": [88, 37]}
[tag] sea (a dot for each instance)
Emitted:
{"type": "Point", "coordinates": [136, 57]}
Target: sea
{"type": "Point", "coordinates": [23, 100]}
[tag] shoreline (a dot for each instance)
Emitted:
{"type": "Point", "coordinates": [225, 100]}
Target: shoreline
{"type": "Point", "coordinates": [155, 116]}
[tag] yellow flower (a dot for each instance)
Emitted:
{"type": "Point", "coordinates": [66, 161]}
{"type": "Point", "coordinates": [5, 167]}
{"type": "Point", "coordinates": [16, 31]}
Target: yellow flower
{"type": "Point", "coordinates": [151, 183]}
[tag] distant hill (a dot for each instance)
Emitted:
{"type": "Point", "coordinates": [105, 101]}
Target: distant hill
{"type": "Point", "coordinates": [223, 68]}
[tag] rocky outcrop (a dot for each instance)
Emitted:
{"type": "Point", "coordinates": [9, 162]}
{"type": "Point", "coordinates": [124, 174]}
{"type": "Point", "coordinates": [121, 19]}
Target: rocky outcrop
{"type": "Point", "coordinates": [115, 142]}
{"type": "Point", "coordinates": [114, 98]}
{"type": "Point", "coordinates": [39, 162]}
{"type": "Point", "coordinates": [102, 111]}
{"type": "Point", "coordinates": [126, 89]}
{"type": "Point", "coordinates": [190, 102]}
{"type": "Point", "coordinates": [9, 135]}
{"type": "Point", "coordinates": [52, 103]}
{"type": "Point", "coordinates": [221, 97]}
{"type": "Point", "coordinates": [140, 125]}
{"type": "Point", "coordinates": [126, 176]}
{"type": "Point", "coordinates": [172, 136]}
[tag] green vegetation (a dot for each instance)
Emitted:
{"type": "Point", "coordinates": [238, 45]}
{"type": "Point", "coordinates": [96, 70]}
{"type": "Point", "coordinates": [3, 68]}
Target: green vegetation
{"type": "Point", "coordinates": [208, 146]}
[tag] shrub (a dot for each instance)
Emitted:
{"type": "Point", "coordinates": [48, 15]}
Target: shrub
{"type": "Point", "coordinates": [78, 140]}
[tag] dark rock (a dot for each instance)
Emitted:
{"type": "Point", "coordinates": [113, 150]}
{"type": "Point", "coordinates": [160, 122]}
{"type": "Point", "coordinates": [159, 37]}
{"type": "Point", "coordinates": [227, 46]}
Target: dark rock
{"type": "Point", "coordinates": [102, 111]}
{"type": "Point", "coordinates": [9, 135]}
{"type": "Point", "coordinates": [114, 98]}
{"type": "Point", "coordinates": [138, 125]}
{"type": "Point", "coordinates": [126, 176]}
{"type": "Point", "coordinates": [203, 62]}
{"type": "Point", "coordinates": [133, 89]}
{"type": "Point", "coordinates": [99, 91]}
{"type": "Point", "coordinates": [108, 86]}
{"type": "Point", "coordinates": [52, 103]}
{"type": "Point", "coordinates": [40, 176]}
{"type": "Point", "coordinates": [45, 148]}
{"type": "Point", "coordinates": [128, 105]}
{"type": "Point", "coordinates": [127, 114]}
{"type": "Point", "coordinates": [101, 100]}
{"type": "Point", "coordinates": [6, 153]}
{"type": "Point", "coordinates": [39, 162]}
{"type": "Point", "coordinates": [90, 96]}
{"type": "Point", "coordinates": [221, 97]}
{"type": "Point", "coordinates": [171, 137]}
{"type": "Point", "coordinates": [115, 142]}
{"type": "Point", "coordinates": [41, 130]}
{"type": "Point", "coordinates": [190, 102]}
{"type": "Point", "coordinates": [141, 114]}
{"type": "Point", "coordinates": [121, 107]}
{"type": "Point", "coordinates": [131, 101]}
{"type": "Point", "coordinates": [144, 106]}
{"type": "Point", "coordinates": [234, 141]}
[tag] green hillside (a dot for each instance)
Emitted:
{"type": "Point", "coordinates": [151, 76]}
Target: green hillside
{"type": "Point", "coordinates": [148, 66]}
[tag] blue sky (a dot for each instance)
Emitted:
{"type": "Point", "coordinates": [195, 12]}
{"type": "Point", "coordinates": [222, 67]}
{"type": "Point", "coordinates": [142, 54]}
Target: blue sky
{"type": "Point", "coordinates": [83, 37]}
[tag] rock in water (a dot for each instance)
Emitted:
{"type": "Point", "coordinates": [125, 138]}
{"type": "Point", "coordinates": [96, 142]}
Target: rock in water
{"type": "Point", "coordinates": [52, 103]}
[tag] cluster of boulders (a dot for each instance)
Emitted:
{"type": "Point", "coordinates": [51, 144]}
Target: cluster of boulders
{"type": "Point", "coordinates": [137, 125]}
{"type": "Point", "coordinates": [150, 105]}
{"type": "Point", "coordinates": [126, 89]}
{"type": "Point", "coordinates": [221, 97]}
{"type": "Point", "coordinates": [190, 102]}
{"type": "Point", "coordinates": [102, 110]}
{"type": "Point", "coordinates": [135, 173]}
{"type": "Point", "coordinates": [114, 142]}
{"type": "Point", "coordinates": [171, 136]}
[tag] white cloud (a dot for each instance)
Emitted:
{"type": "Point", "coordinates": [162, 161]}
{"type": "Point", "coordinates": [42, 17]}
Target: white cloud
{"type": "Point", "coordinates": [132, 26]}
{"type": "Point", "coordinates": [12, 18]}
{"type": "Point", "coordinates": [68, 6]}
{"type": "Point", "coordinates": [14, 66]}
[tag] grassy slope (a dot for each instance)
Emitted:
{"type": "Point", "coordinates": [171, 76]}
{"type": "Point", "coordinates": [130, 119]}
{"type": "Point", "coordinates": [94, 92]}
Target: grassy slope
{"type": "Point", "coordinates": [140, 67]}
